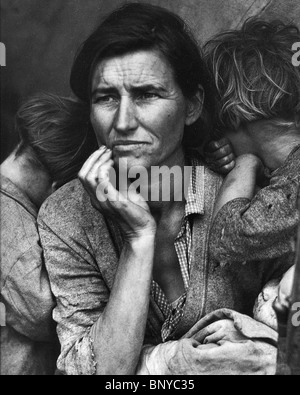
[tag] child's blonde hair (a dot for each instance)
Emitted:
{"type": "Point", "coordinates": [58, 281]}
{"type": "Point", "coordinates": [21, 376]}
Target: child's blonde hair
{"type": "Point", "coordinates": [254, 75]}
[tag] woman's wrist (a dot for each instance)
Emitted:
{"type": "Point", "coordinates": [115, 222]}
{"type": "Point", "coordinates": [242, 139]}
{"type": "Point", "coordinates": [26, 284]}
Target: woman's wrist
{"type": "Point", "coordinates": [142, 242]}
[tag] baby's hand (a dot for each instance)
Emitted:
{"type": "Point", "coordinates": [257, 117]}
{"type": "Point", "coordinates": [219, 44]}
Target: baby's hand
{"type": "Point", "coordinates": [220, 155]}
{"type": "Point", "coordinates": [220, 331]}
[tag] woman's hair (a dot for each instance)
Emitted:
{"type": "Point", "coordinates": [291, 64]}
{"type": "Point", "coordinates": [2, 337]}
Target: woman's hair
{"type": "Point", "coordinates": [135, 27]}
{"type": "Point", "coordinates": [253, 73]}
{"type": "Point", "coordinates": [56, 135]}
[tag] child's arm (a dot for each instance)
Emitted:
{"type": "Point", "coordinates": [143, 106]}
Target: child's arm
{"type": "Point", "coordinates": [249, 227]}
{"type": "Point", "coordinates": [240, 182]}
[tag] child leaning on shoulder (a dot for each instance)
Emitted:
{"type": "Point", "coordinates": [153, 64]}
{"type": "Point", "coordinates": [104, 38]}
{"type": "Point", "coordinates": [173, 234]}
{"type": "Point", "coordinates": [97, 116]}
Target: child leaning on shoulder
{"type": "Point", "coordinates": [258, 118]}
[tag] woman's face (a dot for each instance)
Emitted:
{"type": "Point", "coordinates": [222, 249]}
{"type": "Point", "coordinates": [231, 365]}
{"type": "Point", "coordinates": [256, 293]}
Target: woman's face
{"type": "Point", "coordinates": [138, 110]}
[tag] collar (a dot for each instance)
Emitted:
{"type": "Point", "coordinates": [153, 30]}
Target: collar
{"type": "Point", "coordinates": [195, 195]}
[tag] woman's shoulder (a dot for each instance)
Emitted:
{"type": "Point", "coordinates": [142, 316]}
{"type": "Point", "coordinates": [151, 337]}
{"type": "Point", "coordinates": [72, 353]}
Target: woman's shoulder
{"type": "Point", "coordinates": [70, 205]}
{"type": "Point", "coordinates": [69, 196]}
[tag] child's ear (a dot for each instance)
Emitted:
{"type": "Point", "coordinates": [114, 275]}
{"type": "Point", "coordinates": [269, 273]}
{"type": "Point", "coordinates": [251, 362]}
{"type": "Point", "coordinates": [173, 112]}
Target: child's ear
{"type": "Point", "coordinates": [54, 186]}
{"type": "Point", "coordinates": [195, 107]}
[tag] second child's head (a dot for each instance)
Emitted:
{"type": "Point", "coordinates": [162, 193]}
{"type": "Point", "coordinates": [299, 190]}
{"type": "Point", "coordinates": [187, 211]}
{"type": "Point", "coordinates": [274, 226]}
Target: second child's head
{"type": "Point", "coordinates": [257, 85]}
{"type": "Point", "coordinates": [55, 136]}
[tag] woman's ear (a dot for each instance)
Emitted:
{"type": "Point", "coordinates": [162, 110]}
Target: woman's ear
{"type": "Point", "coordinates": [195, 107]}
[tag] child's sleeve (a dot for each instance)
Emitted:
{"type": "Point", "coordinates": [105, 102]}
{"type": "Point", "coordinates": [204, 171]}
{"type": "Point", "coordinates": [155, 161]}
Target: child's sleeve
{"type": "Point", "coordinates": [262, 229]}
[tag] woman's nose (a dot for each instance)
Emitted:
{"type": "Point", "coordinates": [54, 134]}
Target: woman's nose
{"type": "Point", "coordinates": [126, 120]}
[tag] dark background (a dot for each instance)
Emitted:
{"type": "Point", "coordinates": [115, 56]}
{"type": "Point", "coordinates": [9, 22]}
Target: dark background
{"type": "Point", "coordinates": [42, 36]}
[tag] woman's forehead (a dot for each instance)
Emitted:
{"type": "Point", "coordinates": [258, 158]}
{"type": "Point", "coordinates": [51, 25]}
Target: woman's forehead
{"type": "Point", "coordinates": [137, 68]}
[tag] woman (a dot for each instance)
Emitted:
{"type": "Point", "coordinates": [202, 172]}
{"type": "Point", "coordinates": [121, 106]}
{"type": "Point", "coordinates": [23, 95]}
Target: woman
{"type": "Point", "coordinates": [143, 77]}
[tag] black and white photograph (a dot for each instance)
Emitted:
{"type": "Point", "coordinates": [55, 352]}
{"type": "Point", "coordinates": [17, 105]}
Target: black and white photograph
{"type": "Point", "coordinates": [150, 190]}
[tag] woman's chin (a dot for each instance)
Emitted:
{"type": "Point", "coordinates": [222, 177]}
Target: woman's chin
{"type": "Point", "coordinates": [130, 161]}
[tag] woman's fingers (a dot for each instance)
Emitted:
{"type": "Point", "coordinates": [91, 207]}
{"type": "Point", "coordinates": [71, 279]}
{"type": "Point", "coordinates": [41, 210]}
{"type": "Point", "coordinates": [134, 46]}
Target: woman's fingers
{"type": "Point", "coordinates": [105, 188]}
{"type": "Point", "coordinates": [102, 173]}
{"type": "Point", "coordinates": [129, 209]}
{"type": "Point", "coordinates": [208, 331]}
{"type": "Point", "coordinates": [216, 330]}
{"type": "Point", "coordinates": [105, 157]}
{"type": "Point", "coordinates": [215, 337]}
{"type": "Point", "coordinates": [91, 161]}
{"type": "Point", "coordinates": [106, 192]}
{"type": "Point", "coordinates": [95, 161]}
{"type": "Point", "coordinates": [225, 331]}
{"type": "Point", "coordinates": [98, 167]}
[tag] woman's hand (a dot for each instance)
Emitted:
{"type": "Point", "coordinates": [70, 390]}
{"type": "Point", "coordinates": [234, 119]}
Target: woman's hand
{"type": "Point", "coordinates": [220, 156]}
{"type": "Point", "coordinates": [131, 212]}
{"type": "Point", "coordinates": [188, 357]}
{"type": "Point", "coordinates": [220, 331]}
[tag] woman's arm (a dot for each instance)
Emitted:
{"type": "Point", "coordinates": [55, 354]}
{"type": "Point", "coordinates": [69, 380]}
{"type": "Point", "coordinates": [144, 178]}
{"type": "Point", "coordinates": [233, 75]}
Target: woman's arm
{"type": "Point", "coordinates": [119, 333]}
{"type": "Point", "coordinates": [128, 304]}
{"type": "Point", "coordinates": [101, 332]}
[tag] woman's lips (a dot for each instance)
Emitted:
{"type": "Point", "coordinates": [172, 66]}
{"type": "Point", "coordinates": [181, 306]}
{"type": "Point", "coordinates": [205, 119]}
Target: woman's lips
{"type": "Point", "coordinates": [127, 145]}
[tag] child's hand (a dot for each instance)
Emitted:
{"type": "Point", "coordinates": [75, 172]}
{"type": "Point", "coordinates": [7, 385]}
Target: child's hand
{"type": "Point", "coordinates": [220, 156]}
{"type": "Point", "coordinates": [220, 331]}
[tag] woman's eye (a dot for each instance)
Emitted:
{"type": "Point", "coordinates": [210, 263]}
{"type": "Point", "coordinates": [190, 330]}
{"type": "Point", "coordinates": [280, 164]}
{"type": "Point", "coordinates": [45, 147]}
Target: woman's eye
{"type": "Point", "coordinates": [105, 99]}
{"type": "Point", "coordinates": [148, 95]}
